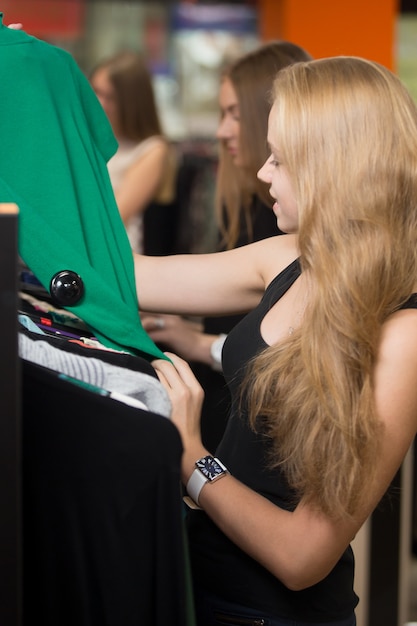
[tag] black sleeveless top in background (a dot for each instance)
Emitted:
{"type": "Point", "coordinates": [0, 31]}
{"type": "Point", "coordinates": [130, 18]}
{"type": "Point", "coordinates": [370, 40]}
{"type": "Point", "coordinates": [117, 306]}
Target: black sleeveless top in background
{"type": "Point", "coordinates": [217, 563]}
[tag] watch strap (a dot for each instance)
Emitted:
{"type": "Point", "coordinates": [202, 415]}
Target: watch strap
{"type": "Point", "coordinates": [195, 484]}
{"type": "Point", "coordinates": [216, 350]}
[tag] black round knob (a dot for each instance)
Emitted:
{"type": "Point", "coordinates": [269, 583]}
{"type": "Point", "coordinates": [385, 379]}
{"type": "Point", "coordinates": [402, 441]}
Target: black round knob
{"type": "Point", "coordinates": [66, 288]}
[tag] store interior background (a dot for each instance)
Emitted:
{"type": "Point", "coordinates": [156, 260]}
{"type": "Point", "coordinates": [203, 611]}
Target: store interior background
{"type": "Point", "coordinates": [186, 45]}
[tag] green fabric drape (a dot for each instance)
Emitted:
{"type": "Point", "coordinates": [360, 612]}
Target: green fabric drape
{"type": "Point", "coordinates": [55, 144]}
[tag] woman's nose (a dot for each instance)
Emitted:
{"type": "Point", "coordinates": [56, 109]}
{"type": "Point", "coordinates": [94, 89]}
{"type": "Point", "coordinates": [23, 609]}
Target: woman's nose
{"type": "Point", "coordinates": [263, 173]}
{"type": "Point", "coordinates": [224, 130]}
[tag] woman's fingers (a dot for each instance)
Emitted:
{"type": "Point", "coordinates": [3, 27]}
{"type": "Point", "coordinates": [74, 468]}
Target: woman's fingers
{"type": "Point", "coordinates": [183, 369]}
{"type": "Point", "coordinates": [167, 373]}
{"type": "Point", "coordinates": [185, 392]}
{"type": "Point", "coordinates": [186, 395]}
{"type": "Point", "coordinates": [176, 372]}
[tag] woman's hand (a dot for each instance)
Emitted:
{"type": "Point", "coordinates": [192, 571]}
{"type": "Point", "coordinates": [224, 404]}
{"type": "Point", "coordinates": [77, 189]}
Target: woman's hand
{"type": "Point", "coordinates": [186, 395]}
{"type": "Point", "coordinates": [182, 336]}
{"type": "Point", "coordinates": [178, 334]}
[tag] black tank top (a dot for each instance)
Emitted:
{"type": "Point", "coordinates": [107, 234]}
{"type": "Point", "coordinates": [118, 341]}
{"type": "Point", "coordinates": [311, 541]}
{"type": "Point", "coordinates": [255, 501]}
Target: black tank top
{"type": "Point", "coordinates": [218, 563]}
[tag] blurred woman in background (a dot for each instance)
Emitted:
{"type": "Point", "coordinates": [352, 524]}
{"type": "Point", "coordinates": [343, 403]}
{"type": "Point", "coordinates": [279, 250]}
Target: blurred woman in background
{"type": "Point", "coordinates": [143, 170]}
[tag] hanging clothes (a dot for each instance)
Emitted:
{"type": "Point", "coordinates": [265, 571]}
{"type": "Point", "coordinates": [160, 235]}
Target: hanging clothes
{"type": "Point", "coordinates": [56, 141]}
{"type": "Point", "coordinates": [104, 540]}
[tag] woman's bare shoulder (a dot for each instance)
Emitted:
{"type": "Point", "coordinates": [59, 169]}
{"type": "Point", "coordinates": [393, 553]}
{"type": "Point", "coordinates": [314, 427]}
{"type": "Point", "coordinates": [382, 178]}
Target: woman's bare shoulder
{"type": "Point", "coordinates": [275, 254]}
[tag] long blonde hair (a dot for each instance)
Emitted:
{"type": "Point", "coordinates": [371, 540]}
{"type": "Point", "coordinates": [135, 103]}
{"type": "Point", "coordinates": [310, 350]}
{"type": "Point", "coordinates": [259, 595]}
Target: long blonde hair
{"type": "Point", "coordinates": [346, 129]}
{"type": "Point", "coordinates": [252, 77]}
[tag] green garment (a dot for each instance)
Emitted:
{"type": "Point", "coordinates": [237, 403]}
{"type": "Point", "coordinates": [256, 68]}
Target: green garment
{"type": "Point", "coordinates": [55, 141]}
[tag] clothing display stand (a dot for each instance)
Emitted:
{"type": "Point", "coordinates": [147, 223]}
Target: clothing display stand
{"type": "Point", "coordinates": [103, 534]}
{"type": "Point", "coordinates": [91, 524]}
{"type": "Point", "coordinates": [10, 427]}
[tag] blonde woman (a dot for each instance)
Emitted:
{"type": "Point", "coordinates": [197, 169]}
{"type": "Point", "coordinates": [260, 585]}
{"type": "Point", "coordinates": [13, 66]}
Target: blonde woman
{"type": "Point", "coordinates": [143, 170]}
{"type": "Point", "coordinates": [322, 370]}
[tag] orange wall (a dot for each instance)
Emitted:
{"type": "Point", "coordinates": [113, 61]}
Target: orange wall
{"type": "Point", "coordinates": [364, 28]}
{"type": "Point", "coordinates": [44, 18]}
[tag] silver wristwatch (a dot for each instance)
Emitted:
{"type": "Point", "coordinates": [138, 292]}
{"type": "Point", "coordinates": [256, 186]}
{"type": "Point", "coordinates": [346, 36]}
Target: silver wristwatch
{"type": "Point", "coordinates": [207, 469]}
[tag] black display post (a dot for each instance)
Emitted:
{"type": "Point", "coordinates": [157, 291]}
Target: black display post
{"type": "Point", "coordinates": [10, 427]}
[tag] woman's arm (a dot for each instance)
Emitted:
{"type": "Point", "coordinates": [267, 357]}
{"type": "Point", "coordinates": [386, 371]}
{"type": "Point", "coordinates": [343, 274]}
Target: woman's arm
{"type": "Point", "coordinates": [141, 181]}
{"type": "Point", "coordinates": [211, 284]}
{"type": "Point", "coordinates": [301, 547]}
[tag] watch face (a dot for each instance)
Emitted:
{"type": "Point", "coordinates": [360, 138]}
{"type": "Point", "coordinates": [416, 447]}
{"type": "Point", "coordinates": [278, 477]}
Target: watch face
{"type": "Point", "coordinates": [209, 467]}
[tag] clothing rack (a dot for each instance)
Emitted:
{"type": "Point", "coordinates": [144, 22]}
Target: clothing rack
{"type": "Point", "coordinates": [99, 482]}
{"type": "Point", "coordinates": [10, 426]}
